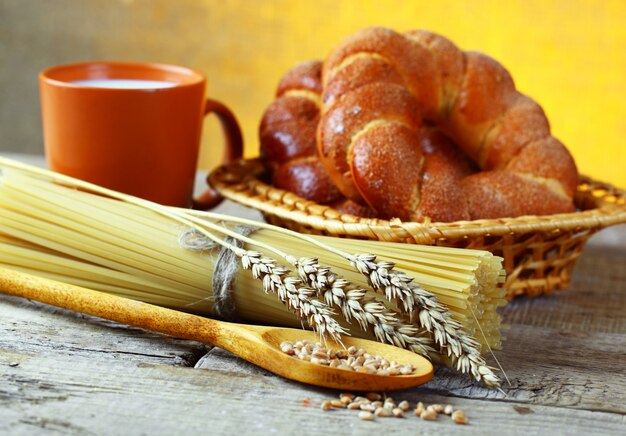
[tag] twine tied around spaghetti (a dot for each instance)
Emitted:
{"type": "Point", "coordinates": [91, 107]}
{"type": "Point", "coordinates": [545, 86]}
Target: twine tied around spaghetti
{"type": "Point", "coordinates": [226, 266]}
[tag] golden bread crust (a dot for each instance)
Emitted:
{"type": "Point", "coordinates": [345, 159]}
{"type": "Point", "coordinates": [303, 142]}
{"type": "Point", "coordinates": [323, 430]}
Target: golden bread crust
{"type": "Point", "coordinates": [468, 95]}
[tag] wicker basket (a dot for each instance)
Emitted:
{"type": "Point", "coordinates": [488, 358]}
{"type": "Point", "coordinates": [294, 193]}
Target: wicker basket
{"type": "Point", "coordinates": [539, 251]}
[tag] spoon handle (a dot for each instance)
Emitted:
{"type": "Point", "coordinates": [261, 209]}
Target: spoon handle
{"type": "Point", "coordinates": [124, 310]}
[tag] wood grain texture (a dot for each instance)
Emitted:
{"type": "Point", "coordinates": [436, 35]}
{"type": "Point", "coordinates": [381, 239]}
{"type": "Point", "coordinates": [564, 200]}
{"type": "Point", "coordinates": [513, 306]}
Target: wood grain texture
{"type": "Point", "coordinates": [74, 374]}
{"type": "Point", "coordinates": [567, 349]}
{"type": "Point", "coordinates": [82, 394]}
{"type": "Point", "coordinates": [29, 328]}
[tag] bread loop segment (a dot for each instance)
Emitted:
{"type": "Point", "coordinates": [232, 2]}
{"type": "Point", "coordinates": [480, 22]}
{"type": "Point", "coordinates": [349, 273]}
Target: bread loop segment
{"type": "Point", "coordinates": [288, 140]}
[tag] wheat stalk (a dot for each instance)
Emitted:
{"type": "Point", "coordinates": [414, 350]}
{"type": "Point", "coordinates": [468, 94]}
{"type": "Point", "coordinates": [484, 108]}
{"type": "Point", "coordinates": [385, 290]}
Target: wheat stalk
{"type": "Point", "coordinates": [367, 312]}
{"type": "Point", "coordinates": [432, 315]}
{"type": "Point", "coordinates": [293, 293]}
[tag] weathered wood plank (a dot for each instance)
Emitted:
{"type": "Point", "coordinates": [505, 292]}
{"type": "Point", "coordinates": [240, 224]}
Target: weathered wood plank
{"type": "Point", "coordinates": [81, 395]}
{"type": "Point", "coordinates": [540, 372]}
{"type": "Point", "coordinates": [567, 349]}
{"type": "Point", "coordinates": [595, 301]}
{"type": "Point", "coordinates": [29, 328]}
{"type": "Point", "coordinates": [545, 366]}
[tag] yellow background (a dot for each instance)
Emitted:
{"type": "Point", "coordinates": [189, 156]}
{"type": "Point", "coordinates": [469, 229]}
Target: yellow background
{"type": "Point", "coordinates": [568, 55]}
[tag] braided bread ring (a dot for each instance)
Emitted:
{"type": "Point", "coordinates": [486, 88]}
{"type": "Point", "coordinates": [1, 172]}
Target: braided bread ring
{"type": "Point", "coordinates": [380, 87]}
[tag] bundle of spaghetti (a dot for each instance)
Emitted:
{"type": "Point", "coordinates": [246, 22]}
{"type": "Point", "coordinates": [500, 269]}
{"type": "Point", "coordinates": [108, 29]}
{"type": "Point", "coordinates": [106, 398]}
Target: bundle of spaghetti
{"type": "Point", "coordinates": [110, 242]}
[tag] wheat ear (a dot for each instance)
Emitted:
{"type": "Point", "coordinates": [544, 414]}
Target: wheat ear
{"type": "Point", "coordinates": [366, 311]}
{"type": "Point", "coordinates": [293, 293]}
{"type": "Point", "coordinates": [432, 316]}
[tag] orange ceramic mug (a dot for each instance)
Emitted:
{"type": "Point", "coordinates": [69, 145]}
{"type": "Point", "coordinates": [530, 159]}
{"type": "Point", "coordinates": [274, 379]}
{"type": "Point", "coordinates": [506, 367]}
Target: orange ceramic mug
{"type": "Point", "coordinates": [131, 127]}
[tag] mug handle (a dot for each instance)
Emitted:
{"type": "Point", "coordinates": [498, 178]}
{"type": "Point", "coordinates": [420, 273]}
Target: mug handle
{"type": "Point", "coordinates": [233, 149]}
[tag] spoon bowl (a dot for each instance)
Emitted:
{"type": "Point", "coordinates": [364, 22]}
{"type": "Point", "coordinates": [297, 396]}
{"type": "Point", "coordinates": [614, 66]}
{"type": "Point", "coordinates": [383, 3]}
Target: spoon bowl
{"type": "Point", "coordinates": [321, 375]}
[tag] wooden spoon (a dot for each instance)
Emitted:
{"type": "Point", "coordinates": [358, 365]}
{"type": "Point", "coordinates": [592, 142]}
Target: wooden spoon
{"type": "Point", "coordinates": [256, 344]}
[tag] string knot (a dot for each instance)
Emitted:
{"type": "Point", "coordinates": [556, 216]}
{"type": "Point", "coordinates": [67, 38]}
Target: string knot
{"type": "Point", "coordinates": [226, 266]}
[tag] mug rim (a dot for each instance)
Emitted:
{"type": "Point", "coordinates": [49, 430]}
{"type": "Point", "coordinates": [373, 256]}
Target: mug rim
{"type": "Point", "coordinates": [102, 69]}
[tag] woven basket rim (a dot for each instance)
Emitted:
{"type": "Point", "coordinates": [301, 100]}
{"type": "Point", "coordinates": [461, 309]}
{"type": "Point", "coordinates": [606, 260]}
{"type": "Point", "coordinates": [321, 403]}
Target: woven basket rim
{"type": "Point", "coordinates": [238, 181]}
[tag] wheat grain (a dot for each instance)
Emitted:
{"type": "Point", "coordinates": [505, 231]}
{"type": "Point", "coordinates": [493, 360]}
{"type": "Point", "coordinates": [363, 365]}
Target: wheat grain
{"type": "Point", "coordinates": [458, 416]}
{"type": "Point", "coordinates": [397, 412]}
{"type": "Point", "coordinates": [383, 412]}
{"type": "Point", "coordinates": [419, 409]}
{"type": "Point", "coordinates": [429, 415]}
{"type": "Point", "coordinates": [346, 396]}
{"type": "Point", "coordinates": [366, 416]}
{"type": "Point", "coordinates": [373, 396]}
{"type": "Point", "coordinates": [436, 407]}
{"type": "Point", "coordinates": [368, 410]}
{"type": "Point", "coordinates": [355, 360]}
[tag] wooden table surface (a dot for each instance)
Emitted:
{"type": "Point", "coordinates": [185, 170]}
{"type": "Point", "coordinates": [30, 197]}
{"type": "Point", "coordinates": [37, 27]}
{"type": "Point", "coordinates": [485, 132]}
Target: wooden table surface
{"type": "Point", "coordinates": [66, 373]}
